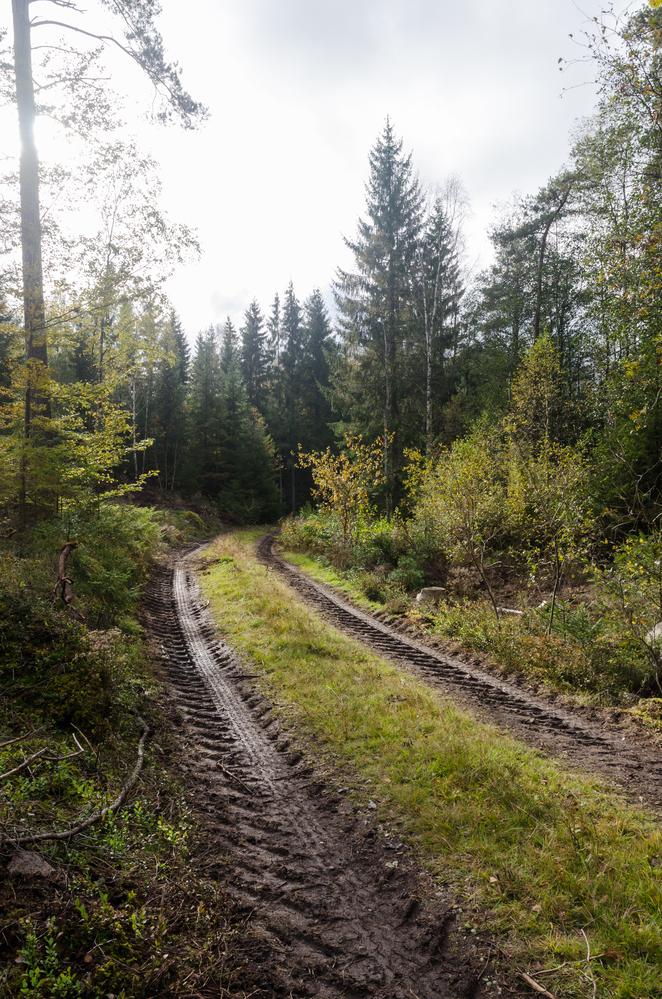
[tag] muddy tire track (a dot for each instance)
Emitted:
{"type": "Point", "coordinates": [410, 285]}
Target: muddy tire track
{"type": "Point", "coordinates": [630, 764]}
{"type": "Point", "coordinates": [336, 903]}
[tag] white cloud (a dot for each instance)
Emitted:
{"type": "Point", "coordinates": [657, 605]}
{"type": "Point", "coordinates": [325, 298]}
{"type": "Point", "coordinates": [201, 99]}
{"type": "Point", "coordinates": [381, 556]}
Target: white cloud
{"type": "Point", "coordinates": [299, 89]}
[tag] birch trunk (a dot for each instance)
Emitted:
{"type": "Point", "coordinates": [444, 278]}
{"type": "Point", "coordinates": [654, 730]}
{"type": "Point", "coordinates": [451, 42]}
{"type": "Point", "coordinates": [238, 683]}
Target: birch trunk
{"type": "Point", "coordinates": [36, 353]}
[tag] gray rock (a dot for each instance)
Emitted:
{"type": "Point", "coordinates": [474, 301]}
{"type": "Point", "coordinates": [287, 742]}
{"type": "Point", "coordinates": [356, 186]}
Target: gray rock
{"type": "Point", "coordinates": [431, 595]}
{"type": "Point", "coordinates": [28, 864]}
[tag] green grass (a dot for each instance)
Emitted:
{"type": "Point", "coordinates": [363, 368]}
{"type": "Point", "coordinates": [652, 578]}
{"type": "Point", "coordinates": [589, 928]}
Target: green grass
{"type": "Point", "coordinates": [543, 855]}
{"type": "Point", "coordinates": [588, 660]}
{"type": "Point", "coordinates": [343, 582]}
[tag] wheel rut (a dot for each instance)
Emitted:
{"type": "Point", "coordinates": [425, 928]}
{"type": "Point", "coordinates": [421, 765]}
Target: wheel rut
{"type": "Point", "coordinates": [631, 765]}
{"type": "Point", "coordinates": [337, 903]}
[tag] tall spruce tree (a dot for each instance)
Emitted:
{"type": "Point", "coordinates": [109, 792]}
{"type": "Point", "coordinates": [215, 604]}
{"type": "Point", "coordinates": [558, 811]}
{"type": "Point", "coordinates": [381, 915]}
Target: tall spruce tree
{"type": "Point", "coordinates": [438, 295]}
{"type": "Point", "coordinates": [375, 300]}
{"type": "Point", "coordinates": [247, 488]}
{"type": "Point", "coordinates": [204, 416]}
{"type": "Point", "coordinates": [274, 329]}
{"type": "Point", "coordinates": [254, 357]}
{"type": "Point", "coordinates": [292, 370]}
{"type": "Point", "coordinates": [317, 433]}
{"type": "Point", "coordinates": [169, 424]}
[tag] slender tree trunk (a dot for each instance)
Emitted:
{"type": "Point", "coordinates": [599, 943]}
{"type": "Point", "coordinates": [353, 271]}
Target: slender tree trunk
{"type": "Point", "coordinates": [541, 259]}
{"type": "Point", "coordinates": [148, 397]}
{"type": "Point", "coordinates": [555, 590]}
{"type": "Point", "coordinates": [173, 478]}
{"type": "Point", "coordinates": [102, 347]}
{"type": "Point", "coordinates": [541, 265]}
{"type": "Point", "coordinates": [479, 562]}
{"type": "Point", "coordinates": [428, 371]}
{"type": "Point", "coordinates": [36, 353]}
{"type": "Point", "coordinates": [133, 428]}
{"type": "Point", "coordinates": [428, 390]}
{"type": "Point", "coordinates": [389, 365]}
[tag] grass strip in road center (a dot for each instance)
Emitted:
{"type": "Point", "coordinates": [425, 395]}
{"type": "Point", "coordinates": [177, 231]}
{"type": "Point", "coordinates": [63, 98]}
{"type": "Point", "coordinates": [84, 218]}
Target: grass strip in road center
{"type": "Point", "coordinates": [558, 867]}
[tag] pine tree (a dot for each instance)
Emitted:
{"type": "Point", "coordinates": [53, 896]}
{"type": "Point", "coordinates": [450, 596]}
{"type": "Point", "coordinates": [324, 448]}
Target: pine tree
{"type": "Point", "coordinates": [254, 355]}
{"type": "Point", "coordinates": [273, 326]}
{"type": "Point", "coordinates": [202, 474]}
{"type": "Point", "coordinates": [317, 412]}
{"type": "Point", "coordinates": [438, 294]}
{"type": "Point", "coordinates": [375, 300]}
{"type": "Point", "coordinates": [292, 368]}
{"type": "Point", "coordinates": [169, 424]}
{"type": "Point", "coordinates": [247, 489]}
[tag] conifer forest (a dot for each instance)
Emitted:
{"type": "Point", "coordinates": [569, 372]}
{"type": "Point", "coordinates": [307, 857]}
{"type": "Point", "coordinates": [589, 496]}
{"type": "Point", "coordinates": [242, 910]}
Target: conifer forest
{"type": "Point", "coordinates": [330, 627]}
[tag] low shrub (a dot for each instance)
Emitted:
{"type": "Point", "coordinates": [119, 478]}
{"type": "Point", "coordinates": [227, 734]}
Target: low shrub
{"type": "Point", "coordinates": [387, 561]}
{"type": "Point", "coordinates": [581, 655]}
{"type": "Point", "coordinates": [66, 673]}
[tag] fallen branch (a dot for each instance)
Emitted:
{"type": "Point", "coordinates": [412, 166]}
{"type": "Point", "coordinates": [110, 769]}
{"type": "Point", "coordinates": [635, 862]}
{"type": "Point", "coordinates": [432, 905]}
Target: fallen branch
{"type": "Point", "coordinates": [540, 989]}
{"type": "Point", "coordinates": [102, 812]}
{"type": "Point", "coordinates": [42, 757]}
{"type": "Point", "coordinates": [233, 777]}
{"type": "Point", "coordinates": [21, 738]}
{"type": "Point", "coordinates": [65, 756]}
{"type": "Point", "coordinates": [26, 763]}
{"type": "Point", "coordinates": [64, 588]}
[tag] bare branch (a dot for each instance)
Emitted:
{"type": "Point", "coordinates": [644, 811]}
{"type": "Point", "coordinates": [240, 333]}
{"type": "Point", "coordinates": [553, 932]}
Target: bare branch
{"type": "Point", "coordinates": [26, 763]}
{"type": "Point", "coordinates": [98, 815]}
{"type": "Point", "coordinates": [21, 738]}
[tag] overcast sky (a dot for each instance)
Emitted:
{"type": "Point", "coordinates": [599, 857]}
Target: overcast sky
{"type": "Point", "coordinates": [299, 89]}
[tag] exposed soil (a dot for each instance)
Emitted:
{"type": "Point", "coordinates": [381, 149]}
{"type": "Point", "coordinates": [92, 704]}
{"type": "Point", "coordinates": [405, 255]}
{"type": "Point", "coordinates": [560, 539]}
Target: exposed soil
{"type": "Point", "coordinates": [336, 903]}
{"type": "Point", "coordinates": [585, 743]}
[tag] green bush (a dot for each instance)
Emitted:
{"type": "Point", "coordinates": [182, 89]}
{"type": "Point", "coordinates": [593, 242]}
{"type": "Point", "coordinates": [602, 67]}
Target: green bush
{"type": "Point", "coordinates": [408, 574]}
{"type": "Point", "coordinates": [110, 564]}
{"type": "Point", "coordinates": [51, 662]}
{"type": "Point", "coordinates": [387, 561]}
{"type": "Point", "coordinates": [50, 659]}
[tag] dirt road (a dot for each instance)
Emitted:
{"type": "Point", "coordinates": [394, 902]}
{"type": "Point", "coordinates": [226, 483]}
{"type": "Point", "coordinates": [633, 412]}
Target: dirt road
{"type": "Point", "coordinates": [623, 756]}
{"type": "Point", "coordinates": [336, 902]}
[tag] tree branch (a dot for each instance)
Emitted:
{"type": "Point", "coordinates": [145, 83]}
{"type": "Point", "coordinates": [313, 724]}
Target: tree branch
{"type": "Point", "coordinates": [110, 39]}
{"type": "Point", "coordinates": [98, 815]}
{"type": "Point", "coordinates": [26, 763]}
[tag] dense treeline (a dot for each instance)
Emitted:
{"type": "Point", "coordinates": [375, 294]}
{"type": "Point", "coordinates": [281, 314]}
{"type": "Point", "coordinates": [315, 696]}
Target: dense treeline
{"type": "Point", "coordinates": [519, 415]}
{"type": "Point", "coordinates": [416, 352]}
{"type": "Point", "coordinates": [579, 262]}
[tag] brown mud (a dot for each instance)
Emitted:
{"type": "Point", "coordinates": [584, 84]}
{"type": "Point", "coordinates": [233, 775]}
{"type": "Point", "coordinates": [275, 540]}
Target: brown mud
{"type": "Point", "coordinates": [629, 762]}
{"type": "Point", "coordinates": [334, 903]}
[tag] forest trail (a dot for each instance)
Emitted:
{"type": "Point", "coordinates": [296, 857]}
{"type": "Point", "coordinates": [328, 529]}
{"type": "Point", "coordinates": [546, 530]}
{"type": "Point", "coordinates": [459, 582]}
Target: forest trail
{"type": "Point", "coordinates": [577, 740]}
{"type": "Point", "coordinates": [337, 903]}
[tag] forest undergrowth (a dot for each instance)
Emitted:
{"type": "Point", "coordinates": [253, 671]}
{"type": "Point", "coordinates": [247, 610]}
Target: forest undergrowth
{"type": "Point", "coordinates": [122, 907]}
{"type": "Point", "coordinates": [589, 655]}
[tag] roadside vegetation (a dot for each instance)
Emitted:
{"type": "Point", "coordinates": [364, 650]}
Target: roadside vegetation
{"type": "Point", "coordinates": [507, 525]}
{"type": "Point", "coordinates": [121, 906]}
{"type": "Point", "coordinates": [562, 873]}
{"type": "Point", "coordinates": [101, 889]}
{"type": "Point", "coordinates": [498, 439]}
